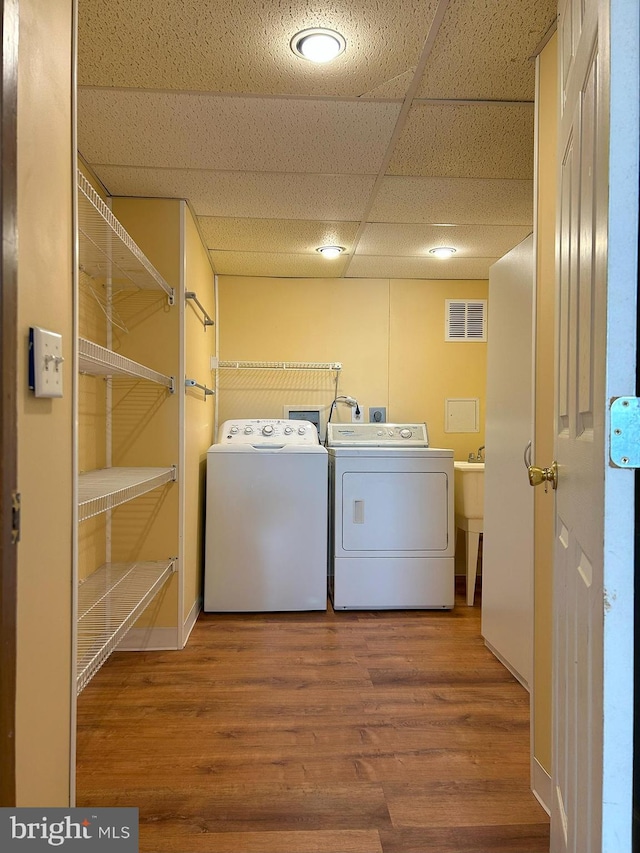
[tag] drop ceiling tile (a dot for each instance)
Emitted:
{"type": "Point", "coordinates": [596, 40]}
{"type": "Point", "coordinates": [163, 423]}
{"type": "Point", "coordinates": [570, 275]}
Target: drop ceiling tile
{"type": "Point", "coordinates": [497, 40]}
{"type": "Point", "coordinates": [454, 200]}
{"type": "Point", "coordinates": [168, 130]}
{"type": "Point", "coordinates": [273, 264]}
{"type": "Point", "coordinates": [247, 194]}
{"type": "Point", "coordinates": [470, 241]}
{"type": "Point", "coordinates": [372, 266]}
{"type": "Point", "coordinates": [284, 236]}
{"type": "Point", "coordinates": [466, 141]}
{"type": "Point", "coordinates": [244, 47]}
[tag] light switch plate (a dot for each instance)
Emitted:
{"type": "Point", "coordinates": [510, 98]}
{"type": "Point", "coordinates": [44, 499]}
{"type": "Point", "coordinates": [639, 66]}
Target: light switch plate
{"type": "Point", "coordinates": [45, 362]}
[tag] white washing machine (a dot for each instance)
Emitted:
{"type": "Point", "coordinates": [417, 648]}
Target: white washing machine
{"type": "Point", "coordinates": [391, 518]}
{"type": "Point", "coordinates": [266, 527]}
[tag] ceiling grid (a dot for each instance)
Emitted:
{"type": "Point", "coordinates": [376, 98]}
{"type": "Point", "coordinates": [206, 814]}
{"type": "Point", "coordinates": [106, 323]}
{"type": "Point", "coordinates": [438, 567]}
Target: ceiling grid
{"type": "Point", "coordinates": [419, 134]}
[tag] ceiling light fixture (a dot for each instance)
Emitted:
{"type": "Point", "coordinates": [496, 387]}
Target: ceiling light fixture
{"type": "Point", "coordinates": [330, 251]}
{"type": "Point", "coordinates": [442, 252]}
{"type": "Point", "coordinates": [318, 44]}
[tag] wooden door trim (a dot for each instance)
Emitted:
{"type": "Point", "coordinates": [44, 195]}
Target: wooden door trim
{"type": "Point", "coordinates": [8, 396]}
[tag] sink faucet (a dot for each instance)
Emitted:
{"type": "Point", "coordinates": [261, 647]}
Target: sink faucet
{"type": "Point", "coordinates": [480, 456]}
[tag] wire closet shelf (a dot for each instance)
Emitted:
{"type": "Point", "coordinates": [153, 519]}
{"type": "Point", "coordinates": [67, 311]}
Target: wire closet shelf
{"type": "Point", "coordinates": [107, 488]}
{"type": "Point", "coordinates": [99, 361]}
{"type": "Point", "coordinates": [280, 365]}
{"type": "Point", "coordinates": [106, 251]}
{"type": "Point", "coordinates": [109, 602]}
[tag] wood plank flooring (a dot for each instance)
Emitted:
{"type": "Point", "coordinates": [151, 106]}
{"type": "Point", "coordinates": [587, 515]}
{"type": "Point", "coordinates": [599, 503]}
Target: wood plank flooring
{"type": "Point", "coordinates": [349, 732]}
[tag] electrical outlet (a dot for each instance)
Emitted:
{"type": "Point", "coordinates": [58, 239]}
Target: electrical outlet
{"type": "Point", "coordinates": [377, 414]}
{"type": "Point", "coordinates": [356, 415]}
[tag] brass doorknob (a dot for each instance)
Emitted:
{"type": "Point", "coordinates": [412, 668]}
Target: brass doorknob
{"type": "Point", "coordinates": [544, 475]}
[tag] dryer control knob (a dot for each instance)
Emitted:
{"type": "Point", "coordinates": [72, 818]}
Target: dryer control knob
{"type": "Point", "coordinates": [233, 430]}
{"type": "Point", "coordinates": [302, 430]}
{"type": "Point", "coordinates": [248, 430]}
{"type": "Point", "coordinates": [288, 430]}
{"type": "Point", "coordinates": [405, 433]}
{"type": "Point", "coordinates": [267, 430]}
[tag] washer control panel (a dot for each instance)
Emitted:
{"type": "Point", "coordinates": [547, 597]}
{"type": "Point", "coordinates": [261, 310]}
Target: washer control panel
{"type": "Point", "coordinates": [377, 435]}
{"type": "Point", "coordinates": [267, 431]}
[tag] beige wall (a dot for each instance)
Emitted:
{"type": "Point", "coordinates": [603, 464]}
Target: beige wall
{"type": "Point", "coordinates": [146, 420]}
{"type": "Point", "coordinates": [199, 413]}
{"type": "Point", "coordinates": [424, 369]}
{"type": "Point", "coordinates": [388, 334]}
{"type": "Point", "coordinates": [45, 287]}
{"type": "Point", "coordinates": [544, 402]}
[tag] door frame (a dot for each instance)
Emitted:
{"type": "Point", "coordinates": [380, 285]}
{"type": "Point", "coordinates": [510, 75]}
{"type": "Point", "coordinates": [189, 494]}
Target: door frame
{"type": "Point", "coordinates": [8, 398]}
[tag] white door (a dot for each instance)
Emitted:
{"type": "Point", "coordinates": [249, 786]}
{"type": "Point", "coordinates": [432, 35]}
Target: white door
{"type": "Point", "coordinates": [507, 548]}
{"type": "Point", "coordinates": [593, 568]}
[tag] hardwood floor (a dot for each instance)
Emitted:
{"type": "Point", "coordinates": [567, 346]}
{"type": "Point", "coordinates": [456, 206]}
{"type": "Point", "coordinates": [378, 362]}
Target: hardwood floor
{"type": "Point", "coordinates": [349, 732]}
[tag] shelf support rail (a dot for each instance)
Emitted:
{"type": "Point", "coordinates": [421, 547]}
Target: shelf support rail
{"type": "Point", "coordinates": [190, 294]}
{"type": "Point", "coordinates": [191, 383]}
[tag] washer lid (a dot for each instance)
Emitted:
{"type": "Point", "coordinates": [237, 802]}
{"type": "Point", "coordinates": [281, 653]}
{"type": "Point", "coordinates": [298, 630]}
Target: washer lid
{"type": "Point", "coordinates": [377, 435]}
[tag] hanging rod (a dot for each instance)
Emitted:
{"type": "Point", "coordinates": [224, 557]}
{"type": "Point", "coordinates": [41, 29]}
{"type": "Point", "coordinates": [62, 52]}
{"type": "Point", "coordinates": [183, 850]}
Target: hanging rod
{"type": "Point", "coordinates": [191, 383]}
{"type": "Point", "coordinates": [191, 294]}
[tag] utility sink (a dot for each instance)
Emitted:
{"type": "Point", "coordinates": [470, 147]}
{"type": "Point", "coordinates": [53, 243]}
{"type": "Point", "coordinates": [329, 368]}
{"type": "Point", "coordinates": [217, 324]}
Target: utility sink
{"type": "Point", "coordinates": [468, 480]}
{"type": "Point", "coordinates": [469, 489]}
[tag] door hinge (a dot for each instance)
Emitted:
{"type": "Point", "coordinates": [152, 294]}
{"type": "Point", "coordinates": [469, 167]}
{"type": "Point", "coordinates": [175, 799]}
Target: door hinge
{"type": "Point", "coordinates": [624, 445]}
{"type": "Point", "coordinates": [15, 518]}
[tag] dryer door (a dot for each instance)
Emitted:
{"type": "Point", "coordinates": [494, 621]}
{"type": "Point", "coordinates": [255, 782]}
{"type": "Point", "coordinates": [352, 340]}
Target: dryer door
{"type": "Point", "coordinates": [394, 511]}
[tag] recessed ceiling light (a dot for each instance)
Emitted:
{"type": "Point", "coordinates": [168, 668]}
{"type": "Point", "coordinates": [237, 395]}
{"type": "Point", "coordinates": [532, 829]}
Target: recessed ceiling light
{"type": "Point", "coordinates": [330, 251]}
{"type": "Point", "coordinates": [442, 252]}
{"type": "Point", "coordinates": [318, 44]}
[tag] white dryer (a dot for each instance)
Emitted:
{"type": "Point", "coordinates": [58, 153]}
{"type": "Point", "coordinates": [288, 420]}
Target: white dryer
{"type": "Point", "coordinates": [266, 518]}
{"type": "Point", "coordinates": [391, 518]}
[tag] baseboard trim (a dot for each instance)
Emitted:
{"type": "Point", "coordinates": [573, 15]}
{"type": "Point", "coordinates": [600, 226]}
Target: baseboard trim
{"type": "Point", "coordinates": [541, 785]}
{"type": "Point", "coordinates": [191, 620]}
{"type": "Point", "coordinates": [150, 640]}
{"type": "Point", "coordinates": [508, 666]}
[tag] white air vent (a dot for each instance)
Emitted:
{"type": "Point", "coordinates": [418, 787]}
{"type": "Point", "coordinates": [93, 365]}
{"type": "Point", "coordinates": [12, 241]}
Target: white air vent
{"type": "Point", "coordinates": [466, 320]}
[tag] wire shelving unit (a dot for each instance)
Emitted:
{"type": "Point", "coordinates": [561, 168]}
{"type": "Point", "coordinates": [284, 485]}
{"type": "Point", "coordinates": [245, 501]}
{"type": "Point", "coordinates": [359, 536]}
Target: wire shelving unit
{"type": "Point", "coordinates": [112, 597]}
